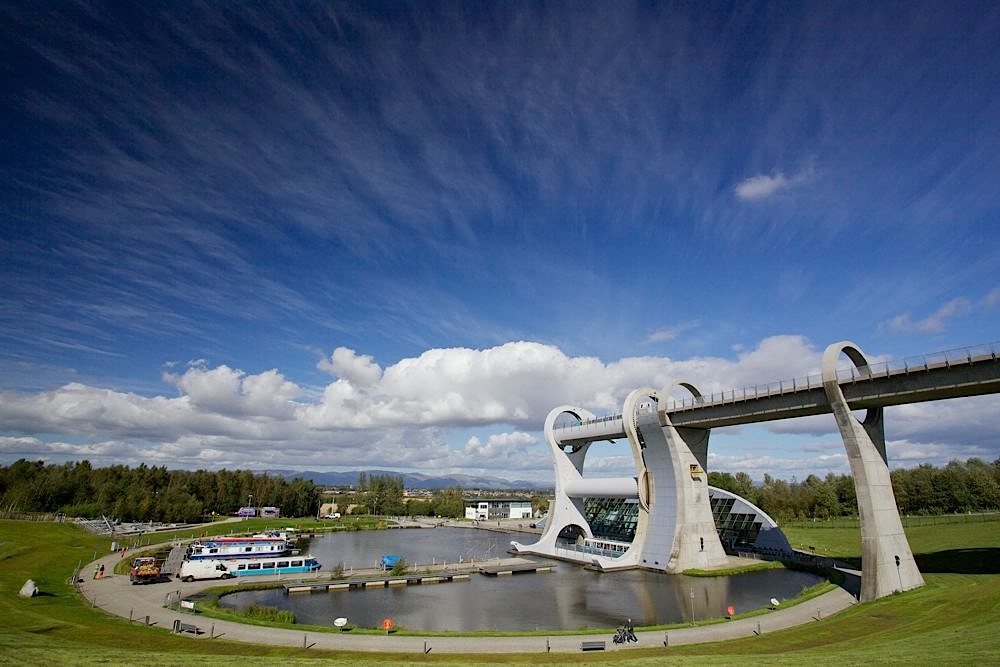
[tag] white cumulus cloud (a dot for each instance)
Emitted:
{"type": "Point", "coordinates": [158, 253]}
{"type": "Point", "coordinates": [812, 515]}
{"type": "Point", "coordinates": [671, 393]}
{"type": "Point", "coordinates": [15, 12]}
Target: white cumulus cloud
{"type": "Point", "coordinates": [761, 186]}
{"type": "Point", "coordinates": [349, 365]}
{"type": "Point", "coordinates": [405, 415]}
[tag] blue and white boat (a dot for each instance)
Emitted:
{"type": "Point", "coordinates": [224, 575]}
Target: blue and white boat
{"type": "Point", "coordinates": [217, 568]}
{"type": "Point", "coordinates": [237, 547]}
{"type": "Point", "coordinates": [281, 565]}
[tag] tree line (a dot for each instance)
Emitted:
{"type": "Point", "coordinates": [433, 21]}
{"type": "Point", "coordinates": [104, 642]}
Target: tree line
{"type": "Point", "coordinates": [154, 493]}
{"type": "Point", "coordinates": [147, 493]}
{"type": "Point", "coordinates": [959, 487]}
{"type": "Point", "coordinates": [383, 494]}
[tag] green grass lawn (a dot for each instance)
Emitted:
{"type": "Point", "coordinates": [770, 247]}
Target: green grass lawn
{"type": "Point", "coordinates": [953, 620]}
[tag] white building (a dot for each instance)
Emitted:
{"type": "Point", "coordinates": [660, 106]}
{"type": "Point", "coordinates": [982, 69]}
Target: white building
{"type": "Point", "coordinates": [497, 508]}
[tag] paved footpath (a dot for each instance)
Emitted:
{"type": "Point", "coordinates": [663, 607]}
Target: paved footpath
{"type": "Point", "coordinates": [116, 595]}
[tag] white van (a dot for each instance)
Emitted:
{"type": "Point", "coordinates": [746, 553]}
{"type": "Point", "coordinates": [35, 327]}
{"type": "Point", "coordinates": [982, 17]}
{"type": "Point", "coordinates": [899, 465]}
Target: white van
{"type": "Point", "coordinates": [204, 569]}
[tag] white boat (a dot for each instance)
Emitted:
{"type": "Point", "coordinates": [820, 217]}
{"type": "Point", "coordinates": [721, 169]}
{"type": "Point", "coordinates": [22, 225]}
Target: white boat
{"type": "Point", "coordinates": [237, 547]}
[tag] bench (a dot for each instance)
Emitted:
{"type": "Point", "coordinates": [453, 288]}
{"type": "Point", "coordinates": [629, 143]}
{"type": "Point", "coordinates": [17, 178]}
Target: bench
{"type": "Point", "coordinates": [187, 627]}
{"type": "Point", "coordinates": [592, 646]}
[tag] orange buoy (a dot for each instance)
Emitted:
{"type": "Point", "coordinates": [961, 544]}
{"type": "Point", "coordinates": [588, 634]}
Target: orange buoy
{"type": "Point", "coordinates": [387, 624]}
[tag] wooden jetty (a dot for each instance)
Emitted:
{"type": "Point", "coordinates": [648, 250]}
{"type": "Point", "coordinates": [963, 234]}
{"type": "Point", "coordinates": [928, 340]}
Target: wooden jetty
{"type": "Point", "coordinates": [436, 575]}
{"type": "Point", "coordinates": [376, 582]}
{"type": "Point", "coordinates": [501, 569]}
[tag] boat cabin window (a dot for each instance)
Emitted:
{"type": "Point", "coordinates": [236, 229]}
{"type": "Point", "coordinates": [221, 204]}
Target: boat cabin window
{"type": "Point", "coordinates": [242, 566]}
{"type": "Point", "coordinates": [296, 563]}
{"type": "Point", "coordinates": [213, 550]}
{"type": "Point", "coordinates": [267, 565]}
{"type": "Point", "coordinates": [253, 566]}
{"type": "Point", "coordinates": [282, 563]}
{"type": "Point", "coordinates": [248, 549]}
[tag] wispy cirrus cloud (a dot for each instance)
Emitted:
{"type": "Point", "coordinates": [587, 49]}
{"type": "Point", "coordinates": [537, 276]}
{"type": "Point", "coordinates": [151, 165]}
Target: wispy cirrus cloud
{"type": "Point", "coordinates": [672, 332]}
{"type": "Point", "coordinates": [992, 299]}
{"type": "Point", "coordinates": [933, 323]}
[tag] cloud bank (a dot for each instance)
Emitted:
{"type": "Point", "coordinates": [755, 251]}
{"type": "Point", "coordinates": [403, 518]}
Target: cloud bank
{"type": "Point", "coordinates": [411, 414]}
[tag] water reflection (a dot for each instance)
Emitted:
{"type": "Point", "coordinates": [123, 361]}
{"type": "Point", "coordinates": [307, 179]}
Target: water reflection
{"type": "Point", "coordinates": [569, 598]}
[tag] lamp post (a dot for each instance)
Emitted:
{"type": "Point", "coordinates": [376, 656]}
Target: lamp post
{"type": "Point", "coordinates": [692, 606]}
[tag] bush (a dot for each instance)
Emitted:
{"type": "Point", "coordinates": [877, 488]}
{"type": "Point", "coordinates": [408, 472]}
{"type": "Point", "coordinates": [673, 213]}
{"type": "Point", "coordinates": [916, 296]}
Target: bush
{"type": "Point", "coordinates": [86, 510]}
{"type": "Point", "coordinates": [271, 614]}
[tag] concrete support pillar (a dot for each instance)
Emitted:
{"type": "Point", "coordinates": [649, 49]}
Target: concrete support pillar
{"type": "Point", "coordinates": [887, 564]}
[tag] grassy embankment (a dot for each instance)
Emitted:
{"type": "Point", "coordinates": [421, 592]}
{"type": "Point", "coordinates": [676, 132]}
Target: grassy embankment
{"type": "Point", "coordinates": [954, 619]}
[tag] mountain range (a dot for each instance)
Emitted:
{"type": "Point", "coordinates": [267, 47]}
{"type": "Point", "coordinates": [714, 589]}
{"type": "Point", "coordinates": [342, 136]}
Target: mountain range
{"type": "Point", "coordinates": [413, 480]}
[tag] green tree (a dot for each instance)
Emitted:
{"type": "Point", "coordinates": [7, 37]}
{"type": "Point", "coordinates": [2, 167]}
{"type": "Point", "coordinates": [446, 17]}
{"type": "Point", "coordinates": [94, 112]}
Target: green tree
{"type": "Point", "coordinates": [384, 494]}
{"type": "Point", "coordinates": [449, 502]}
{"type": "Point", "coordinates": [744, 486]}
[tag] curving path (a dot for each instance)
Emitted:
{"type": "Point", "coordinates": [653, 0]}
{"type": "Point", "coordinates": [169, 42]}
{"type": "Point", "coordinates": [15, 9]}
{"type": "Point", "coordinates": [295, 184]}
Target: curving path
{"type": "Point", "coordinates": [116, 595]}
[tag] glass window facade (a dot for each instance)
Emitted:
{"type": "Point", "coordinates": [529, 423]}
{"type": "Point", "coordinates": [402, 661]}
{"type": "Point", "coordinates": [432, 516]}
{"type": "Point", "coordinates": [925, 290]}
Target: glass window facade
{"type": "Point", "coordinates": [612, 518]}
{"type": "Point", "coordinates": [735, 529]}
{"type": "Point", "coordinates": [615, 519]}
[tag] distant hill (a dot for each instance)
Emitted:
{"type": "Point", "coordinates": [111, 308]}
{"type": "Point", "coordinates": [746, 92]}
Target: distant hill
{"type": "Point", "coordinates": [413, 480]}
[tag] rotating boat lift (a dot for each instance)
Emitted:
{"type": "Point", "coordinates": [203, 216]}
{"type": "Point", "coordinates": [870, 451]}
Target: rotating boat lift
{"type": "Point", "coordinates": [675, 530]}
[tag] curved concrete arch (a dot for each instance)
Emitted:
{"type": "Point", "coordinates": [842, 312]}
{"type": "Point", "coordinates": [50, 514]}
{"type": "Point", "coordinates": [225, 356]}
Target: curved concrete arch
{"type": "Point", "coordinates": [697, 445]}
{"type": "Point", "coordinates": [680, 532]}
{"type": "Point", "coordinates": [635, 399]}
{"type": "Point", "coordinates": [577, 454]}
{"type": "Point", "coordinates": [873, 422]}
{"type": "Point", "coordinates": [887, 563]}
{"type": "Point", "coordinates": [638, 401]}
{"type": "Point", "coordinates": [567, 510]}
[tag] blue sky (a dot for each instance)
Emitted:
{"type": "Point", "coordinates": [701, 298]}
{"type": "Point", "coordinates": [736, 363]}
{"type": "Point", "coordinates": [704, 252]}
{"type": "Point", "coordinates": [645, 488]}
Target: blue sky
{"type": "Point", "coordinates": [395, 235]}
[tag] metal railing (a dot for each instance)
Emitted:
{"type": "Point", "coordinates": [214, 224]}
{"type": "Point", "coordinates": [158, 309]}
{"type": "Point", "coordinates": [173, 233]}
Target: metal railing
{"type": "Point", "coordinates": [917, 364]}
{"type": "Point", "coordinates": [570, 551]}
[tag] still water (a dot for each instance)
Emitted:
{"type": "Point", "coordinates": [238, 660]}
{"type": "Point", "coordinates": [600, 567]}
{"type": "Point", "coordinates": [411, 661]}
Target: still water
{"type": "Point", "coordinates": [567, 598]}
